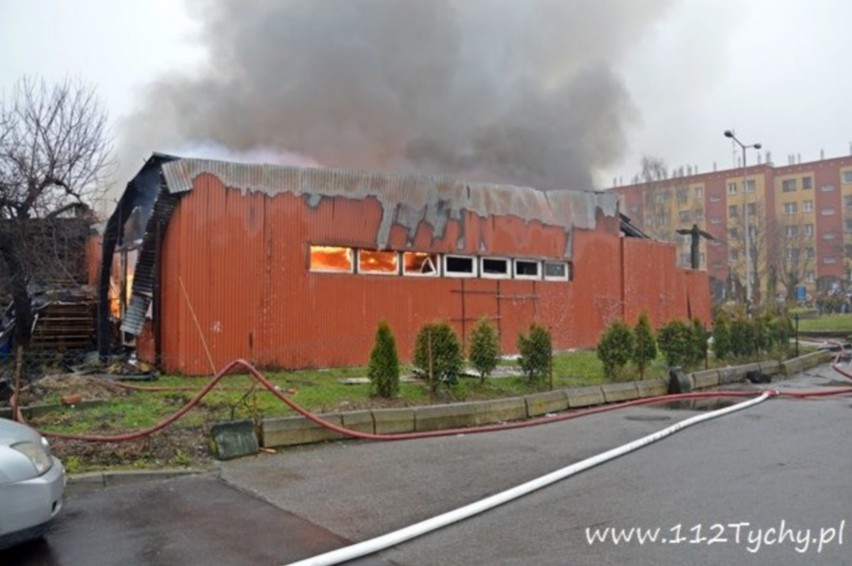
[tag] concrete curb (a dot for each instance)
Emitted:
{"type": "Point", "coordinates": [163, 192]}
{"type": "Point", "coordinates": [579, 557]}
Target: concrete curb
{"type": "Point", "coordinates": [291, 431]}
{"type": "Point", "coordinates": [79, 484]}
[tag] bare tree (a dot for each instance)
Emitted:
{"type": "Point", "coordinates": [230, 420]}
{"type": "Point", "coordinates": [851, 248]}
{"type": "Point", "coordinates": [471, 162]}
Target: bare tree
{"type": "Point", "coordinates": [794, 252]}
{"type": "Point", "coordinates": [657, 195]}
{"type": "Point", "coordinates": [760, 241]}
{"type": "Point", "coordinates": [54, 155]}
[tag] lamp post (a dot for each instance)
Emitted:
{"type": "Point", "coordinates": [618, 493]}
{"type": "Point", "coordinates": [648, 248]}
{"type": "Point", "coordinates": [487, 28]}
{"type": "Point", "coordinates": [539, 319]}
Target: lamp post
{"type": "Point", "coordinates": [730, 134]}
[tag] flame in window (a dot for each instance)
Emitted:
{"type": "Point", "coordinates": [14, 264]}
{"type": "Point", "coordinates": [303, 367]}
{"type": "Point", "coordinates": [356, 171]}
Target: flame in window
{"type": "Point", "coordinates": [420, 263]}
{"type": "Point", "coordinates": [373, 261]}
{"type": "Point", "coordinates": [331, 258]}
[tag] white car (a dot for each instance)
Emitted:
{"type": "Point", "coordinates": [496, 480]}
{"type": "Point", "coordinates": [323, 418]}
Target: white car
{"type": "Point", "coordinates": [32, 482]}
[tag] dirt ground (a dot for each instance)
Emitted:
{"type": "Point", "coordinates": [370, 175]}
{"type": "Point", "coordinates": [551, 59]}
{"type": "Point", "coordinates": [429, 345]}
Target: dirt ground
{"type": "Point", "coordinates": [174, 446]}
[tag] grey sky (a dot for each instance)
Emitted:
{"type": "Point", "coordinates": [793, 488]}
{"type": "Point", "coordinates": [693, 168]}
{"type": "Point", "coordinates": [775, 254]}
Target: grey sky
{"type": "Point", "coordinates": [774, 70]}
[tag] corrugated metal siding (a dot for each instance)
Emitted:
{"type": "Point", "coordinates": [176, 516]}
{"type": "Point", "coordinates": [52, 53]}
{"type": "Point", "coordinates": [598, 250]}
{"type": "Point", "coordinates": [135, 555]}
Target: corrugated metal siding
{"type": "Point", "coordinates": [243, 259]}
{"type": "Point", "coordinates": [408, 200]}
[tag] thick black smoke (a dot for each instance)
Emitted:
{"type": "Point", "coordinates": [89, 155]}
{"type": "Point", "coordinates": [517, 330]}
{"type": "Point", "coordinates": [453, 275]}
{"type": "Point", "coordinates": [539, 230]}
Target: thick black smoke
{"type": "Point", "coordinates": [510, 90]}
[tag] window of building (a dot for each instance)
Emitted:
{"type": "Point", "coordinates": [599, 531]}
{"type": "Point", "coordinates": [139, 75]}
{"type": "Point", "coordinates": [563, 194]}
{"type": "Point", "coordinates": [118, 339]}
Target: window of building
{"type": "Point", "coordinates": [685, 216]}
{"type": "Point", "coordinates": [847, 176]}
{"type": "Point", "coordinates": [332, 259]}
{"type": "Point", "coordinates": [699, 192]}
{"type": "Point", "coordinates": [830, 235]}
{"type": "Point", "coordinates": [829, 259]}
{"type": "Point", "coordinates": [809, 276]}
{"type": "Point", "coordinates": [701, 259]}
{"type": "Point", "coordinates": [683, 194]}
{"type": "Point", "coordinates": [847, 201]}
{"type": "Point", "coordinates": [459, 266]}
{"type": "Point", "coordinates": [378, 262]}
{"type": "Point", "coordinates": [788, 185]}
{"type": "Point", "coordinates": [732, 210]}
{"type": "Point", "coordinates": [685, 260]}
{"type": "Point", "coordinates": [557, 271]}
{"type": "Point", "coordinates": [791, 231]}
{"type": "Point", "coordinates": [715, 220]}
{"type": "Point", "coordinates": [494, 268]}
{"type": "Point", "coordinates": [733, 233]}
{"type": "Point", "coordinates": [717, 265]}
{"type": "Point", "coordinates": [807, 183]}
{"type": "Point", "coordinates": [715, 198]}
{"type": "Point", "coordinates": [809, 229]}
{"type": "Point", "coordinates": [751, 208]}
{"type": "Point", "coordinates": [810, 252]}
{"type": "Point", "coordinates": [752, 232]}
{"type": "Point", "coordinates": [750, 185]}
{"type": "Point", "coordinates": [527, 269]}
{"type": "Point", "coordinates": [793, 254]}
{"type": "Point", "coordinates": [732, 188]}
{"type": "Point", "coordinates": [791, 208]}
{"type": "Point", "coordinates": [807, 206]}
{"type": "Point", "coordinates": [420, 264]}
{"type": "Point", "coordinates": [847, 226]}
{"type": "Point", "coordinates": [827, 188]}
{"type": "Point", "coordinates": [733, 255]}
{"type": "Point", "coordinates": [827, 211]}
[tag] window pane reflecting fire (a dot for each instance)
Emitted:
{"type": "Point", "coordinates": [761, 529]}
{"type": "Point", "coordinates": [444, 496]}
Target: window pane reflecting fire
{"type": "Point", "coordinates": [373, 261]}
{"type": "Point", "coordinates": [331, 258]}
{"type": "Point", "coordinates": [419, 263]}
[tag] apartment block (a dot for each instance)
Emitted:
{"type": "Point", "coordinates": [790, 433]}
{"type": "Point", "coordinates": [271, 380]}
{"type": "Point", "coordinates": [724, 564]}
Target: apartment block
{"type": "Point", "coordinates": [798, 218]}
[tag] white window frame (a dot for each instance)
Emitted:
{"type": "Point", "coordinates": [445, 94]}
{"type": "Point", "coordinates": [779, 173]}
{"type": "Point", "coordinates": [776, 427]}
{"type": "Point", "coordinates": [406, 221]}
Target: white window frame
{"type": "Point", "coordinates": [437, 266]}
{"type": "Point", "coordinates": [827, 211]}
{"type": "Point", "coordinates": [385, 273]}
{"type": "Point", "coordinates": [807, 206]}
{"type": "Point", "coordinates": [516, 275]}
{"type": "Point", "coordinates": [352, 259]}
{"type": "Point", "coordinates": [459, 274]}
{"type": "Point", "coordinates": [732, 188]}
{"type": "Point", "coordinates": [565, 277]}
{"type": "Point", "coordinates": [505, 275]}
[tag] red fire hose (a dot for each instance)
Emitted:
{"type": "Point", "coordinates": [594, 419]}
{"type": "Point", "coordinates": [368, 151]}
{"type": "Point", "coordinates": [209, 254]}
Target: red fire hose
{"type": "Point", "coordinates": [428, 434]}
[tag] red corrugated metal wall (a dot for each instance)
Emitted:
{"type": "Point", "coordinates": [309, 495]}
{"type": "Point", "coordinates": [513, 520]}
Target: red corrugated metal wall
{"type": "Point", "coordinates": [234, 269]}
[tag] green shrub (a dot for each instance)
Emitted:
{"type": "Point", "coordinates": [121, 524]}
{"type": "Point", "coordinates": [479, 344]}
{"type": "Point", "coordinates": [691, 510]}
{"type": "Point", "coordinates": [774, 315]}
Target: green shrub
{"type": "Point", "coordinates": [616, 347]}
{"type": "Point", "coordinates": [437, 350]}
{"type": "Point", "coordinates": [699, 342]}
{"type": "Point", "coordinates": [781, 332]}
{"type": "Point", "coordinates": [721, 337]}
{"type": "Point", "coordinates": [677, 343]}
{"type": "Point", "coordinates": [646, 344]}
{"type": "Point", "coordinates": [384, 364]}
{"type": "Point", "coordinates": [535, 351]}
{"type": "Point", "coordinates": [743, 338]}
{"type": "Point", "coordinates": [484, 350]}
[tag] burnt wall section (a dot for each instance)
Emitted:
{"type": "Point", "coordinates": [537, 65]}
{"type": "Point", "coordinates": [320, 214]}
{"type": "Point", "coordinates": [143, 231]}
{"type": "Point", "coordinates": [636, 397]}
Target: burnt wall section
{"type": "Point", "coordinates": [409, 200]}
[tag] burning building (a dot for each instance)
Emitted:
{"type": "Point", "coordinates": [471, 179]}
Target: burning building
{"type": "Point", "coordinates": [294, 267]}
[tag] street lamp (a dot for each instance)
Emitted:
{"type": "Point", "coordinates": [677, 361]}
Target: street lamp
{"type": "Point", "coordinates": [730, 134]}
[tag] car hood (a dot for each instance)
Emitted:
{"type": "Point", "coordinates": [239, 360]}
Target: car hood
{"type": "Point", "coordinates": [12, 433]}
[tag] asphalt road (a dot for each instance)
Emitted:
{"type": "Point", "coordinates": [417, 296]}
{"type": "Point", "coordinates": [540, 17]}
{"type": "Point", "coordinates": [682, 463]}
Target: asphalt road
{"type": "Point", "coordinates": [784, 464]}
{"type": "Point", "coordinates": [198, 520]}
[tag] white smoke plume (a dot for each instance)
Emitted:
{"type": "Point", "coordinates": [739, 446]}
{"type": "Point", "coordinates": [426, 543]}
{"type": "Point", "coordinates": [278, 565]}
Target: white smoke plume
{"type": "Point", "coordinates": [509, 90]}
